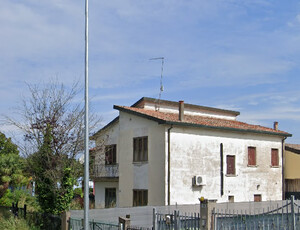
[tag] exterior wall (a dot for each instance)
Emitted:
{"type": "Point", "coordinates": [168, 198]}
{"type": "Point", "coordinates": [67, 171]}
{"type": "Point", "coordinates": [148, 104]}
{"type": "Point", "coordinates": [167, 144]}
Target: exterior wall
{"type": "Point", "coordinates": [197, 152]}
{"type": "Point", "coordinates": [149, 175]}
{"type": "Point", "coordinates": [109, 137]}
{"type": "Point", "coordinates": [100, 193]}
{"type": "Point", "coordinates": [292, 162]}
{"type": "Point", "coordinates": [190, 111]}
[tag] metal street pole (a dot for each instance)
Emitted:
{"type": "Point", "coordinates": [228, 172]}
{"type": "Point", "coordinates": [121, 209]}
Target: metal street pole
{"type": "Point", "coordinates": [86, 137]}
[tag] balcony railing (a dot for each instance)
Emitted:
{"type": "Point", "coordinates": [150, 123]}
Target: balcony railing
{"type": "Point", "coordinates": [105, 171]}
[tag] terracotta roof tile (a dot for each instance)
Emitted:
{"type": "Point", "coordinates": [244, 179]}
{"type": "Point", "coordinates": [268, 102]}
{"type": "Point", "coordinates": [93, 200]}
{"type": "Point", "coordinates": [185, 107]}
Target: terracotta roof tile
{"type": "Point", "coordinates": [201, 121]}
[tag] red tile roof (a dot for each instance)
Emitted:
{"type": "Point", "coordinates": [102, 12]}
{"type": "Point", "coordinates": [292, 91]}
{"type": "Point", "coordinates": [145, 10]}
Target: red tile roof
{"type": "Point", "coordinates": [200, 121]}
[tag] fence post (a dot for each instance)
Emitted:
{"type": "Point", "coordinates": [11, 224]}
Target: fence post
{"type": "Point", "coordinates": [175, 220]}
{"type": "Point", "coordinates": [65, 217]}
{"type": "Point", "coordinates": [293, 213]}
{"type": "Point", "coordinates": [154, 219]}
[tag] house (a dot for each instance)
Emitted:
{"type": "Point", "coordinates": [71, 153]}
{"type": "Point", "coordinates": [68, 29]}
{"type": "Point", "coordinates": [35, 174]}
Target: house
{"type": "Point", "coordinates": [165, 152]}
{"type": "Point", "coordinates": [292, 170]}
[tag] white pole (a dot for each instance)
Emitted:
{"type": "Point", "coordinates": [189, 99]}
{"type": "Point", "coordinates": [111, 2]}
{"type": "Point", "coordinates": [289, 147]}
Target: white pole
{"type": "Point", "coordinates": [86, 138]}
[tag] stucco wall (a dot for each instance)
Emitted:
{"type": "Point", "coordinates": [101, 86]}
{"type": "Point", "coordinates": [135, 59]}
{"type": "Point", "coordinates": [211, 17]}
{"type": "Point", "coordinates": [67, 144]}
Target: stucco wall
{"type": "Point", "coordinates": [148, 175]}
{"type": "Point", "coordinates": [197, 152]}
{"type": "Point", "coordinates": [100, 193]}
{"type": "Point", "coordinates": [292, 162]}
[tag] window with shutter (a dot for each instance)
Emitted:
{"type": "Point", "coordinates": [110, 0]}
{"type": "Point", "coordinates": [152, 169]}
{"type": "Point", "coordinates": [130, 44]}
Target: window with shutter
{"type": "Point", "coordinates": [274, 158]}
{"type": "Point", "coordinates": [110, 154]}
{"type": "Point", "coordinates": [251, 156]}
{"type": "Point", "coordinates": [140, 149]}
{"type": "Point", "coordinates": [140, 197]}
{"type": "Point", "coordinates": [230, 160]}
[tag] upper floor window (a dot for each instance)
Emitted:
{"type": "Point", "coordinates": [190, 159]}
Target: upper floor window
{"type": "Point", "coordinates": [274, 158]}
{"type": "Point", "coordinates": [230, 161]}
{"type": "Point", "coordinates": [251, 156]}
{"type": "Point", "coordinates": [140, 149]}
{"type": "Point", "coordinates": [110, 154]}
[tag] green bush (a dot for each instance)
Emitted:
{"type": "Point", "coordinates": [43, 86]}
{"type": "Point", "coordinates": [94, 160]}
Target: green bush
{"type": "Point", "coordinates": [20, 196]}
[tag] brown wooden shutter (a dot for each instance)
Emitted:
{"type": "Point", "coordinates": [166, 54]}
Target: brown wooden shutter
{"type": "Point", "coordinates": [230, 160]}
{"type": "Point", "coordinates": [251, 156]}
{"type": "Point", "coordinates": [274, 157]}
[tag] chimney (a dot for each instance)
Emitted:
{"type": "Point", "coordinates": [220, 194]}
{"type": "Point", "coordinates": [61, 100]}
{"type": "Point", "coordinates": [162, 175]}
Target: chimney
{"type": "Point", "coordinates": [275, 125]}
{"type": "Point", "coordinates": [181, 110]}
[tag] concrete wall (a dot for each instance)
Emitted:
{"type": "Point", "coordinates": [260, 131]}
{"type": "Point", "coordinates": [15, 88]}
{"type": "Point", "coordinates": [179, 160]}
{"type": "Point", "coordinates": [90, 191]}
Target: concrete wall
{"type": "Point", "coordinates": [197, 152]}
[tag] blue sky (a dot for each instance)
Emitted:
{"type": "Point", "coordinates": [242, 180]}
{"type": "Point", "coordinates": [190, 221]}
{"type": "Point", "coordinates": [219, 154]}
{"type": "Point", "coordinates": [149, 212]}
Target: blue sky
{"type": "Point", "coordinates": [242, 55]}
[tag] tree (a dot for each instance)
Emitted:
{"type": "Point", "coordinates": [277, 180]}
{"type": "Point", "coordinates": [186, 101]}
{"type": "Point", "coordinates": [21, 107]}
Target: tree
{"type": "Point", "coordinates": [53, 127]}
{"type": "Point", "coordinates": [11, 165]}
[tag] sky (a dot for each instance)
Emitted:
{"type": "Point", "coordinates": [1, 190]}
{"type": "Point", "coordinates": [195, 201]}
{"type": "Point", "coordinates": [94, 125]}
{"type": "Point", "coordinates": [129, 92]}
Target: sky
{"type": "Point", "coordinates": [241, 55]}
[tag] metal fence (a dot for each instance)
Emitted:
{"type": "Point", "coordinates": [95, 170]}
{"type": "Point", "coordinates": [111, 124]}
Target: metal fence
{"type": "Point", "coordinates": [176, 221]}
{"type": "Point", "coordinates": [285, 216]}
{"type": "Point", "coordinates": [77, 224]}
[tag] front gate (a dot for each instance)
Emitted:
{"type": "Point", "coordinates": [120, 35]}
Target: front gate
{"type": "Point", "coordinates": [177, 221]}
{"type": "Point", "coordinates": [286, 216]}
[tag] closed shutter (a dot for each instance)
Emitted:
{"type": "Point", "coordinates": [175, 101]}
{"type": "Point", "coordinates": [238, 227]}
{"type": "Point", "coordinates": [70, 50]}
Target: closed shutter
{"type": "Point", "coordinates": [252, 156]}
{"type": "Point", "coordinates": [230, 160]}
{"type": "Point", "coordinates": [274, 157]}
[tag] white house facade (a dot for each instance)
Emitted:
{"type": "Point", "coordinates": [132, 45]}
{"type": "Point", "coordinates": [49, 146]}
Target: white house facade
{"type": "Point", "coordinates": [165, 153]}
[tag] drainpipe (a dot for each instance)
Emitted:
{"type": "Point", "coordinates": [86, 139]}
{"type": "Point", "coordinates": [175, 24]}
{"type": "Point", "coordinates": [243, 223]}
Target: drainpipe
{"type": "Point", "coordinates": [169, 163]}
{"type": "Point", "coordinates": [283, 166]}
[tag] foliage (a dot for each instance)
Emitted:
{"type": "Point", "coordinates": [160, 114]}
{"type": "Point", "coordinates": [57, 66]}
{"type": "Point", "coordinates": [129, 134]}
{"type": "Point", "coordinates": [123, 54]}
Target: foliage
{"type": "Point", "coordinates": [6, 146]}
{"type": "Point", "coordinates": [22, 197]}
{"type": "Point", "coordinates": [54, 178]}
{"type": "Point", "coordinates": [53, 127]}
{"type": "Point", "coordinates": [11, 166]}
{"type": "Point", "coordinates": [78, 192]}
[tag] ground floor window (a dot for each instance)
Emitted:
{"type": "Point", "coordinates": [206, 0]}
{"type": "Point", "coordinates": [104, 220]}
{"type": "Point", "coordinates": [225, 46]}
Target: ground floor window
{"type": "Point", "coordinates": [257, 197]}
{"type": "Point", "coordinates": [110, 197]}
{"type": "Point", "coordinates": [231, 199]}
{"type": "Point", "coordinates": [140, 197]}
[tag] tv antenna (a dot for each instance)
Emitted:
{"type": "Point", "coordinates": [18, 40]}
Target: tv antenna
{"type": "Point", "coordinates": [161, 89]}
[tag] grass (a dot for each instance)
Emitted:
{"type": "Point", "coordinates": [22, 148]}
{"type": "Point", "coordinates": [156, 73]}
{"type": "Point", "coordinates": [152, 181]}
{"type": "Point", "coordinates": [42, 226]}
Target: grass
{"type": "Point", "coordinates": [9, 222]}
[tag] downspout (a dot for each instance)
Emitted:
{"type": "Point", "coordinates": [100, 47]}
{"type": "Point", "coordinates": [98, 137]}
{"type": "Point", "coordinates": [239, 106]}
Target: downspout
{"type": "Point", "coordinates": [169, 163]}
{"type": "Point", "coordinates": [283, 166]}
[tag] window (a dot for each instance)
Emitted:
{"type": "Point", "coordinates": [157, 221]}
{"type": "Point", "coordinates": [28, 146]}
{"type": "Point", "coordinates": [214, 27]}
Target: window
{"type": "Point", "coordinates": [274, 158]}
{"type": "Point", "coordinates": [140, 197]}
{"type": "Point", "coordinates": [140, 149]}
{"type": "Point", "coordinates": [257, 197]}
{"type": "Point", "coordinates": [231, 199]}
{"type": "Point", "coordinates": [251, 156]}
{"type": "Point", "coordinates": [110, 197]}
{"type": "Point", "coordinates": [110, 154]}
{"type": "Point", "coordinates": [230, 161]}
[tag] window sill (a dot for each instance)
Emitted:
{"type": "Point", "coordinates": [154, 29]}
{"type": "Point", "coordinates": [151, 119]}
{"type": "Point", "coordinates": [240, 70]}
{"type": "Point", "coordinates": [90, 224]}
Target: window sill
{"type": "Point", "coordinates": [231, 175]}
{"type": "Point", "coordinates": [274, 166]}
{"type": "Point", "coordinates": [140, 162]}
{"type": "Point", "coordinates": [252, 166]}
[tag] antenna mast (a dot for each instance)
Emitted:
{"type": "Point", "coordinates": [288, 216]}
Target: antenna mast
{"type": "Point", "coordinates": [161, 89]}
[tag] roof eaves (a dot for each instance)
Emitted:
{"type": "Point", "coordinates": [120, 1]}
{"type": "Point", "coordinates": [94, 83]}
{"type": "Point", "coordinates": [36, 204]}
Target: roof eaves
{"type": "Point", "coordinates": [160, 121]}
{"type": "Point", "coordinates": [93, 137]}
{"type": "Point", "coordinates": [291, 149]}
{"type": "Point", "coordinates": [228, 128]}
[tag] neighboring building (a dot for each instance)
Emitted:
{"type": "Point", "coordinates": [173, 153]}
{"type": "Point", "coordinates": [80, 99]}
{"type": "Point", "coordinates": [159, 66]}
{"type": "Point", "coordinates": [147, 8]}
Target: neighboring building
{"type": "Point", "coordinates": [164, 152]}
{"type": "Point", "coordinates": [292, 170]}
